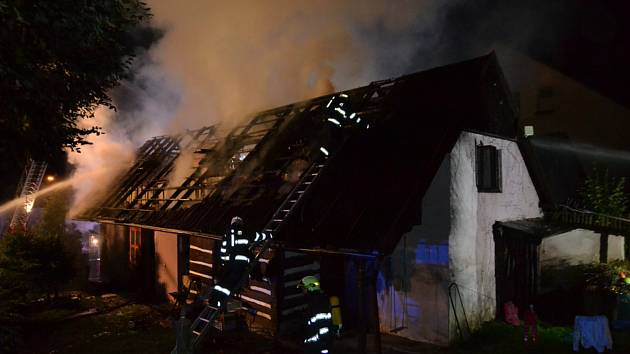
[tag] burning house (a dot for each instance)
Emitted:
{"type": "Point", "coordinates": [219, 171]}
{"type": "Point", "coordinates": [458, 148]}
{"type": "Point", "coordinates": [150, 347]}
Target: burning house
{"type": "Point", "coordinates": [390, 190]}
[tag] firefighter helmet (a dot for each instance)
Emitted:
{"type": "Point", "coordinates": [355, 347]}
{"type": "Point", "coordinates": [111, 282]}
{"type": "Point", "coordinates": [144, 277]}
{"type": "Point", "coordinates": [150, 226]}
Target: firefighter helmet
{"type": "Point", "coordinates": [236, 221]}
{"type": "Point", "coordinates": [310, 283]}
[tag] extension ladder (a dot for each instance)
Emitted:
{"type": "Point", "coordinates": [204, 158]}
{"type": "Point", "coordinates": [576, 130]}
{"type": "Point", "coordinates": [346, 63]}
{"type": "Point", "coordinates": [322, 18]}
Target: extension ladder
{"type": "Point", "coordinates": [202, 324]}
{"type": "Point", "coordinates": [32, 180]}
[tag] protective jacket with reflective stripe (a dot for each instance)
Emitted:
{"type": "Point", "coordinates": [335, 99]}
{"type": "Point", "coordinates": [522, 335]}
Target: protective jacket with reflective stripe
{"type": "Point", "coordinates": [319, 333]}
{"type": "Point", "coordinates": [235, 246]}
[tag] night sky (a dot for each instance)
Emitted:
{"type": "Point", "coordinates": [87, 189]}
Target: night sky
{"type": "Point", "coordinates": [588, 40]}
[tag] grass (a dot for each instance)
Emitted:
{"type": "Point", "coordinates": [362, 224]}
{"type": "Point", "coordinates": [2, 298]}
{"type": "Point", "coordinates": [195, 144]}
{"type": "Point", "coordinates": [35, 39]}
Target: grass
{"type": "Point", "coordinates": [137, 328]}
{"type": "Point", "coordinates": [129, 329]}
{"type": "Point", "coordinates": [496, 337]}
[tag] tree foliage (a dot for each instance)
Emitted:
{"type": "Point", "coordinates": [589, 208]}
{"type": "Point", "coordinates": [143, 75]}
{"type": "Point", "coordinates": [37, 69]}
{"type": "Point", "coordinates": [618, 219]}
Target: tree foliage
{"type": "Point", "coordinates": [609, 276]}
{"type": "Point", "coordinates": [604, 194]}
{"type": "Point", "coordinates": [44, 260]}
{"type": "Point", "coordinates": [58, 61]}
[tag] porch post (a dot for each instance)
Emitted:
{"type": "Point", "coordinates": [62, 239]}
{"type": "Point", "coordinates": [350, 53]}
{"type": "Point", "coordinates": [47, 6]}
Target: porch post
{"type": "Point", "coordinates": [603, 247]}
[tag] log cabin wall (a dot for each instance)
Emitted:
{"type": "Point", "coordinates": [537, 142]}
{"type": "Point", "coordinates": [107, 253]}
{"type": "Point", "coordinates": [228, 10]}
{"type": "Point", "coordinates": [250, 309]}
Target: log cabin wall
{"type": "Point", "coordinates": [291, 302]}
{"type": "Point", "coordinates": [201, 260]}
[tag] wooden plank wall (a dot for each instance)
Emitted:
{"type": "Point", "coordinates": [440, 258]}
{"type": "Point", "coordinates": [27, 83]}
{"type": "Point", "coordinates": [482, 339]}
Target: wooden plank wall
{"type": "Point", "coordinates": [260, 295]}
{"type": "Point", "coordinates": [291, 301]}
{"type": "Point", "coordinates": [201, 259]}
{"type": "Point", "coordinates": [279, 304]}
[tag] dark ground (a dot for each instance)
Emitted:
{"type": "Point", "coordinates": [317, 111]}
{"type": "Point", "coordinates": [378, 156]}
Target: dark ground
{"type": "Point", "coordinates": [124, 327]}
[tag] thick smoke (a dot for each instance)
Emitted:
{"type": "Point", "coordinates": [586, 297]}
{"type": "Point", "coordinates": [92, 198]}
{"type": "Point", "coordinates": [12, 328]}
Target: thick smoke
{"type": "Point", "coordinates": [100, 162]}
{"type": "Point", "coordinates": [221, 60]}
{"type": "Point", "coordinates": [231, 58]}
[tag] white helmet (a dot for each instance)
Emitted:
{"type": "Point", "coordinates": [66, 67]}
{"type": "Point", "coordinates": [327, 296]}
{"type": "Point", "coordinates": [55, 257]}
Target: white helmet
{"type": "Point", "coordinates": [237, 221]}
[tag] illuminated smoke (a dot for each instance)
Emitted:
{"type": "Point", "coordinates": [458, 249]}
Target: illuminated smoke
{"type": "Point", "coordinates": [221, 60]}
{"type": "Point", "coordinates": [102, 161]}
{"type": "Point", "coordinates": [595, 153]}
{"type": "Point", "coordinates": [232, 58]}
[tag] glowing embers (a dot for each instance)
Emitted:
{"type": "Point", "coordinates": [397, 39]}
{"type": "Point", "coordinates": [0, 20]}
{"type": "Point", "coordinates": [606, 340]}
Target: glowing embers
{"type": "Point", "coordinates": [340, 113]}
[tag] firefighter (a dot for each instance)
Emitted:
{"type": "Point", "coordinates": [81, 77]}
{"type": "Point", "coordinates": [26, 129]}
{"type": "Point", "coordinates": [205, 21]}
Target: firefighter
{"type": "Point", "coordinates": [319, 331]}
{"type": "Point", "coordinates": [234, 257]}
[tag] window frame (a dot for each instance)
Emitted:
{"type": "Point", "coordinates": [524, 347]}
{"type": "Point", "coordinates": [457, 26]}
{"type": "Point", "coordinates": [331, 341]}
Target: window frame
{"type": "Point", "coordinates": [496, 179]}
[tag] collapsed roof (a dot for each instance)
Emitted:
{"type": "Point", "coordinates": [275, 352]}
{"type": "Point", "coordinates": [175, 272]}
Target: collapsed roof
{"type": "Point", "coordinates": [369, 190]}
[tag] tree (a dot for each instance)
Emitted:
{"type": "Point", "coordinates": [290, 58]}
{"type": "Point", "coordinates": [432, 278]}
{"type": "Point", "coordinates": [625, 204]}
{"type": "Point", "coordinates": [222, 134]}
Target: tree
{"type": "Point", "coordinates": [605, 195]}
{"type": "Point", "coordinates": [58, 62]}
{"type": "Point", "coordinates": [44, 260]}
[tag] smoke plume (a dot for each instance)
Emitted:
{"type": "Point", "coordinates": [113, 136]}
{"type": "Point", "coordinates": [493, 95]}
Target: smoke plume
{"type": "Point", "coordinates": [231, 58]}
{"type": "Point", "coordinates": [221, 60]}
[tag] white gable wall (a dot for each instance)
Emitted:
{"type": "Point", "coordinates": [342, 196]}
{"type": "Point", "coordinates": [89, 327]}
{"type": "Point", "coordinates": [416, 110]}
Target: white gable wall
{"type": "Point", "coordinates": [471, 244]}
{"type": "Point", "coordinates": [453, 243]}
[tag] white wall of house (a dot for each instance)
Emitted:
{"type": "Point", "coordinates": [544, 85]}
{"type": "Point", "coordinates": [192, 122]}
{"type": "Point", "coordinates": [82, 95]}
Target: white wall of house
{"type": "Point", "coordinates": [578, 246]}
{"type": "Point", "coordinates": [559, 253]}
{"type": "Point", "coordinates": [453, 243]}
{"type": "Point", "coordinates": [616, 245]}
{"type": "Point", "coordinates": [471, 244]}
{"type": "Point", "coordinates": [166, 262]}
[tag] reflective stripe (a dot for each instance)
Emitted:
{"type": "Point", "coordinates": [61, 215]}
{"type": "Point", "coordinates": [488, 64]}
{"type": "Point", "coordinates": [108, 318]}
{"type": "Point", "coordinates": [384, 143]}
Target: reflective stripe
{"type": "Point", "coordinates": [232, 239]}
{"type": "Point", "coordinates": [241, 258]}
{"type": "Point", "coordinates": [343, 113]}
{"type": "Point", "coordinates": [333, 120]}
{"type": "Point", "coordinates": [353, 115]}
{"type": "Point", "coordinates": [314, 338]}
{"type": "Point", "coordinates": [324, 351]}
{"type": "Point", "coordinates": [329, 102]}
{"type": "Point", "coordinates": [323, 330]}
{"type": "Point", "coordinates": [224, 243]}
{"type": "Point", "coordinates": [242, 241]}
{"type": "Point", "coordinates": [225, 258]}
{"type": "Point", "coordinates": [343, 95]}
{"type": "Point", "coordinates": [192, 247]}
{"type": "Point", "coordinates": [239, 232]}
{"type": "Point", "coordinates": [222, 289]}
{"type": "Point", "coordinates": [223, 250]}
{"type": "Point", "coordinates": [321, 316]}
{"type": "Point", "coordinates": [323, 150]}
{"type": "Point", "coordinates": [257, 237]}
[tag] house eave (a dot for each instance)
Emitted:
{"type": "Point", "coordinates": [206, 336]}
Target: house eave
{"type": "Point", "coordinates": [162, 229]}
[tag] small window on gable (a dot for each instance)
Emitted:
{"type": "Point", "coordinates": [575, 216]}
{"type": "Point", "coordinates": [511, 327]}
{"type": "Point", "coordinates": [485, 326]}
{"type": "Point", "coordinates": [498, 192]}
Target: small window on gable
{"type": "Point", "coordinates": [544, 101]}
{"type": "Point", "coordinates": [488, 168]}
{"type": "Point", "coordinates": [134, 245]}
